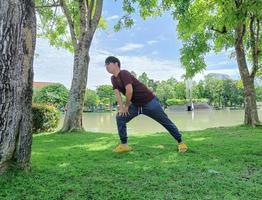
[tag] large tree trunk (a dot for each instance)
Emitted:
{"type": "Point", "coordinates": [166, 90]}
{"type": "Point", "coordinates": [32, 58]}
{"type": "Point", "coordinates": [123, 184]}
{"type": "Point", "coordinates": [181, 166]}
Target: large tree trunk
{"type": "Point", "coordinates": [17, 45]}
{"type": "Point", "coordinates": [251, 115]}
{"type": "Point", "coordinates": [88, 24]}
{"type": "Point", "coordinates": [73, 117]}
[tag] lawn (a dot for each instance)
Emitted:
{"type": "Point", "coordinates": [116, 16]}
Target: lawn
{"type": "Point", "coordinates": [222, 163]}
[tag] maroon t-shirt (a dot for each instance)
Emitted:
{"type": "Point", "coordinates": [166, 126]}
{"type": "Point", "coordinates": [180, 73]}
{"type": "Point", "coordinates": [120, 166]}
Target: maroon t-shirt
{"type": "Point", "coordinates": [141, 94]}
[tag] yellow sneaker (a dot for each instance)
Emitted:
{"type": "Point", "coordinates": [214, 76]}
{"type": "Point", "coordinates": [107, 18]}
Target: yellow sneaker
{"type": "Point", "coordinates": [182, 147]}
{"type": "Point", "coordinates": [122, 148]}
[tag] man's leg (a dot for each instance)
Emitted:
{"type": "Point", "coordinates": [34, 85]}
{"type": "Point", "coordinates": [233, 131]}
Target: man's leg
{"type": "Point", "coordinates": [123, 120]}
{"type": "Point", "coordinates": [154, 110]}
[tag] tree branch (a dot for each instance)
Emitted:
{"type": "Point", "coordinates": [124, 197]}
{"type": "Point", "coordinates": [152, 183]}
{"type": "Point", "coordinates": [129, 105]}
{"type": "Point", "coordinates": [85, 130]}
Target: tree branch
{"type": "Point", "coordinates": [97, 15]}
{"type": "Point", "coordinates": [90, 11]}
{"type": "Point", "coordinates": [254, 45]}
{"type": "Point", "coordinates": [258, 38]}
{"type": "Point", "coordinates": [70, 23]}
{"type": "Point", "coordinates": [242, 30]}
{"type": "Point", "coordinates": [83, 12]}
{"type": "Point", "coordinates": [53, 19]}
{"type": "Point", "coordinates": [223, 31]}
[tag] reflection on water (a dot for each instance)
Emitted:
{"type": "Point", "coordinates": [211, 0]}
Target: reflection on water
{"type": "Point", "coordinates": [185, 121]}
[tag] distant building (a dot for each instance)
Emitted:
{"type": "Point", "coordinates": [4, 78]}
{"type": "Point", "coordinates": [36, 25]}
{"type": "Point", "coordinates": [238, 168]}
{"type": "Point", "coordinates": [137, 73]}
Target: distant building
{"type": "Point", "coordinates": [218, 76]}
{"type": "Point", "coordinates": [41, 84]}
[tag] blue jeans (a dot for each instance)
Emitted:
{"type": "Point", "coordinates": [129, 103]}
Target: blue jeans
{"type": "Point", "coordinates": [152, 109]}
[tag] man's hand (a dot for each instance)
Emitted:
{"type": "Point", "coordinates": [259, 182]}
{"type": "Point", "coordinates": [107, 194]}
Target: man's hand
{"type": "Point", "coordinates": [123, 111]}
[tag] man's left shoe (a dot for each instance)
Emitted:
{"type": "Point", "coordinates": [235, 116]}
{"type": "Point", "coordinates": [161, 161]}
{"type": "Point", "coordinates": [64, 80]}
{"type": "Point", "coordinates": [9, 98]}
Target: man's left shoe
{"type": "Point", "coordinates": [122, 148]}
{"type": "Point", "coordinates": [182, 148]}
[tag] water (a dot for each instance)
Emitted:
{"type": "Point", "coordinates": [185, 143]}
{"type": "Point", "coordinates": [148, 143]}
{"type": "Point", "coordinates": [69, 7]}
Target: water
{"type": "Point", "coordinates": [185, 121]}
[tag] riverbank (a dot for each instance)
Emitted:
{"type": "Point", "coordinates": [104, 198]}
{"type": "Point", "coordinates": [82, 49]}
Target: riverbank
{"type": "Point", "coordinates": [222, 163]}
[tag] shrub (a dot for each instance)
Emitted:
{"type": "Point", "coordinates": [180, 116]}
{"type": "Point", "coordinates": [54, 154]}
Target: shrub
{"type": "Point", "coordinates": [45, 118]}
{"type": "Point", "coordinates": [171, 102]}
{"type": "Point", "coordinates": [55, 94]}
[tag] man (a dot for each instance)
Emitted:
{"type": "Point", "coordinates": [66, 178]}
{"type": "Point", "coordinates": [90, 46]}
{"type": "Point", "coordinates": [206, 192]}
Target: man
{"type": "Point", "coordinates": [139, 100]}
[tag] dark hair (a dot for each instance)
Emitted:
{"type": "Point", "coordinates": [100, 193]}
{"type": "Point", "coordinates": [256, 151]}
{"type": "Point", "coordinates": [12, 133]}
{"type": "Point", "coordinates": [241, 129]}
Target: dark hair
{"type": "Point", "coordinates": [112, 59]}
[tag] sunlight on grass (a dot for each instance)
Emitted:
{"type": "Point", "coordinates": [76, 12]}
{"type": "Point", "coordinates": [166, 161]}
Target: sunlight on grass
{"type": "Point", "coordinates": [97, 146]}
{"type": "Point", "coordinates": [220, 164]}
{"type": "Point", "coordinates": [159, 147]}
{"type": "Point", "coordinates": [63, 165]}
{"type": "Point", "coordinates": [199, 139]}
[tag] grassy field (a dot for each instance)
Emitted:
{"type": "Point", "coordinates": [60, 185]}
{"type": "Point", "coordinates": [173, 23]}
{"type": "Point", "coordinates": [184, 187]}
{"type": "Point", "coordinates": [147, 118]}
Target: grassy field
{"type": "Point", "coordinates": [222, 163]}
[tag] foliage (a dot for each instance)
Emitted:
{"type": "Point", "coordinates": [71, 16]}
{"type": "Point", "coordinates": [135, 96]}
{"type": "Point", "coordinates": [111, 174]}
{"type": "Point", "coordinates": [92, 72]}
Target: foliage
{"type": "Point", "coordinates": [55, 94]}
{"type": "Point", "coordinates": [220, 93]}
{"type": "Point", "coordinates": [91, 99]}
{"type": "Point", "coordinates": [198, 90]}
{"type": "Point", "coordinates": [45, 118]}
{"type": "Point", "coordinates": [180, 90]}
{"type": "Point", "coordinates": [144, 78]}
{"type": "Point", "coordinates": [54, 25]}
{"type": "Point", "coordinates": [259, 93]}
{"type": "Point", "coordinates": [106, 94]}
{"type": "Point", "coordinates": [164, 91]}
{"type": "Point", "coordinates": [35, 91]}
{"type": "Point", "coordinates": [171, 102]}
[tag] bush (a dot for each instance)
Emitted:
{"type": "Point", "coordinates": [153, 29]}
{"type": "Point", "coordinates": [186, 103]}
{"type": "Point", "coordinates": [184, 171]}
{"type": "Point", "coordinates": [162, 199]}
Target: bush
{"type": "Point", "coordinates": [55, 94]}
{"type": "Point", "coordinates": [45, 118]}
{"type": "Point", "coordinates": [259, 93]}
{"type": "Point", "coordinates": [171, 102]}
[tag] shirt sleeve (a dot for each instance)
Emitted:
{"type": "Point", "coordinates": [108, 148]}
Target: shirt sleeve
{"type": "Point", "coordinates": [126, 77]}
{"type": "Point", "coordinates": [113, 83]}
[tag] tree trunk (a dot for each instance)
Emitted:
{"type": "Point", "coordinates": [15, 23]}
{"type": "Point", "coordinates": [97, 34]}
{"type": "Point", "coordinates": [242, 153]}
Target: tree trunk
{"type": "Point", "coordinates": [17, 45]}
{"type": "Point", "coordinates": [88, 25]}
{"type": "Point", "coordinates": [73, 117]}
{"type": "Point", "coordinates": [251, 115]}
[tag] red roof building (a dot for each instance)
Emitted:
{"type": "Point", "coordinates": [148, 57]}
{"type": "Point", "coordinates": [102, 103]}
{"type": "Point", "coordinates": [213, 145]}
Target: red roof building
{"type": "Point", "coordinates": [41, 84]}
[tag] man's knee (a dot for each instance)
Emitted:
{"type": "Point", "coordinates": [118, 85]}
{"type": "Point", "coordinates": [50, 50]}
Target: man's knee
{"type": "Point", "coordinates": [120, 119]}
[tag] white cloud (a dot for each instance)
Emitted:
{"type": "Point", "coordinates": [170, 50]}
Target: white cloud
{"type": "Point", "coordinates": [130, 47]}
{"type": "Point", "coordinates": [112, 17]}
{"type": "Point", "coordinates": [152, 42]}
{"type": "Point", "coordinates": [57, 66]}
{"type": "Point", "coordinates": [217, 64]}
{"type": "Point", "coordinates": [157, 69]}
{"type": "Point", "coordinates": [52, 64]}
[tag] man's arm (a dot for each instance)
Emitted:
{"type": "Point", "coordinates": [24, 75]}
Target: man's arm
{"type": "Point", "coordinates": [129, 94]}
{"type": "Point", "coordinates": [123, 111]}
{"type": "Point", "coordinates": [119, 99]}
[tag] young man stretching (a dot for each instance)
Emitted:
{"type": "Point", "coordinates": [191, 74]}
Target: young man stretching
{"type": "Point", "coordinates": [139, 100]}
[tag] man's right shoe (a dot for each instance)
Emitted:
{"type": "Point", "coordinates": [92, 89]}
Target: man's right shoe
{"type": "Point", "coordinates": [182, 148]}
{"type": "Point", "coordinates": [121, 148]}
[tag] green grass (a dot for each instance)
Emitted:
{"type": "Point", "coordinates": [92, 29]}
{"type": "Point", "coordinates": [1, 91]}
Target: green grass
{"type": "Point", "coordinates": [222, 163]}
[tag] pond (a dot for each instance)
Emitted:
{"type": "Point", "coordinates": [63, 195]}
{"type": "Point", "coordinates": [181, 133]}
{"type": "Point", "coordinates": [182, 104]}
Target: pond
{"type": "Point", "coordinates": [185, 121]}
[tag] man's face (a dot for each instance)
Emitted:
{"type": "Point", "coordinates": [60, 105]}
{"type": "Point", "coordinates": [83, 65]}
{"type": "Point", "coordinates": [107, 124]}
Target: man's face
{"type": "Point", "coordinates": [111, 67]}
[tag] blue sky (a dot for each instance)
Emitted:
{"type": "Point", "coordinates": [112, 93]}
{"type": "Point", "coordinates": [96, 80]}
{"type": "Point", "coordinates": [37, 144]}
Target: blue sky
{"type": "Point", "coordinates": [150, 46]}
